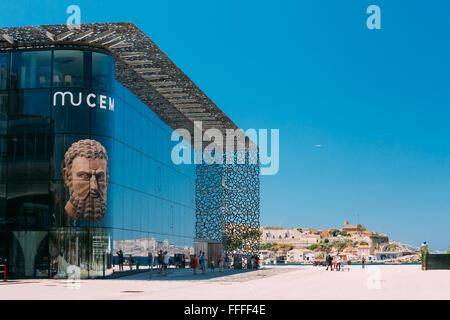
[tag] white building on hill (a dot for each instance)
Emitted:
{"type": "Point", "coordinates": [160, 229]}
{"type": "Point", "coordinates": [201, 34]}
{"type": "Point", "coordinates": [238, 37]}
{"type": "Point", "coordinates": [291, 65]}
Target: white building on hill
{"type": "Point", "coordinates": [289, 236]}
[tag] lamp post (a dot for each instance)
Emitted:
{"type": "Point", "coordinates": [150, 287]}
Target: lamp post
{"type": "Point", "coordinates": [151, 265]}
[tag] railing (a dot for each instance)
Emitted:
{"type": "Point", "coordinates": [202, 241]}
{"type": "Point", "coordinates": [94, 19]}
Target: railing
{"type": "Point", "coordinates": [3, 270]}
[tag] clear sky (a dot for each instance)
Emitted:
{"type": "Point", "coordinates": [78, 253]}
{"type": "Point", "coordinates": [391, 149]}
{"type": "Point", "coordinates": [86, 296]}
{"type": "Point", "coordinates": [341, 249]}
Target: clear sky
{"type": "Point", "coordinates": [378, 101]}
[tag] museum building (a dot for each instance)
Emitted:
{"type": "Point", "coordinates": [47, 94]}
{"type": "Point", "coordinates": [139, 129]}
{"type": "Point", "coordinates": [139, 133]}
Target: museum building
{"type": "Point", "coordinates": [86, 120]}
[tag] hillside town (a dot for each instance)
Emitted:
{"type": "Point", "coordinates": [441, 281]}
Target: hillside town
{"type": "Point", "coordinates": [351, 243]}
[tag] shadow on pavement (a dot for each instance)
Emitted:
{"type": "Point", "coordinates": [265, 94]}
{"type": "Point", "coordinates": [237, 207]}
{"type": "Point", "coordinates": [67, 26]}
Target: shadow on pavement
{"type": "Point", "coordinates": [184, 274]}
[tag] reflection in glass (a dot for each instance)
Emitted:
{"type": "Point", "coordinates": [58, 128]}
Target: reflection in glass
{"type": "Point", "coordinates": [2, 204]}
{"type": "Point", "coordinates": [149, 201]}
{"type": "Point", "coordinates": [29, 102]}
{"type": "Point", "coordinates": [101, 257]}
{"type": "Point", "coordinates": [69, 248]}
{"type": "Point", "coordinates": [27, 205]}
{"type": "Point", "coordinates": [71, 119]}
{"type": "Point", "coordinates": [102, 119]}
{"type": "Point", "coordinates": [28, 148]}
{"type": "Point", "coordinates": [3, 146]}
{"type": "Point", "coordinates": [4, 102]}
{"type": "Point", "coordinates": [33, 253]}
{"type": "Point", "coordinates": [69, 69]}
{"type": "Point", "coordinates": [31, 69]}
{"type": "Point", "coordinates": [102, 71]}
{"type": "Point", "coordinates": [4, 70]}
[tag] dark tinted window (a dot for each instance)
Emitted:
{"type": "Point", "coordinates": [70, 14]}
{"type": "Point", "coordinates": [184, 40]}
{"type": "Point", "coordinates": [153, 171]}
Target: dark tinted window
{"type": "Point", "coordinates": [31, 69]}
{"type": "Point", "coordinates": [70, 111]}
{"type": "Point", "coordinates": [30, 102]}
{"type": "Point", "coordinates": [4, 102]}
{"type": "Point", "coordinates": [4, 70]}
{"type": "Point", "coordinates": [102, 71]}
{"type": "Point", "coordinates": [28, 204]}
{"type": "Point", "coordinates": [28, 148]}
{"type": "Point", "coordinates": [69, 68]}
{"type": "Point", "coordinates": [103, 116]}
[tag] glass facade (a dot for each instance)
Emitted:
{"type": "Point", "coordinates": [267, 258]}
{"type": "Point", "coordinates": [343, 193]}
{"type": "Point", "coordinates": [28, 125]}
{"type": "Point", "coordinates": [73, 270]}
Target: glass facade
{"type": "Point", "coordinates": [85, 169]}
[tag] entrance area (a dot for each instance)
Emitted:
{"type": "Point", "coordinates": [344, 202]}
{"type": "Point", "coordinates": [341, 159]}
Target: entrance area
{"type": "Point", "coordinates": [213, 250]}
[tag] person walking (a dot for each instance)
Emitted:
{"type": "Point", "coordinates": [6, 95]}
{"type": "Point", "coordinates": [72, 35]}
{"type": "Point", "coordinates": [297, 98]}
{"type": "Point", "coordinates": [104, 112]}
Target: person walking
{"type": "Point", "coordinates": [227, 261]}
{"type": "Point", "coordinates": [363, 261]}
{"type": "Point", "coordinates": [204, 261]}
{"type": "Point", "coordinates": [212, 265]}
{"type": "Point", "coordinates": [160, 261]}
{"type": "Point", "coordinates": [338, 265]}
{"type": "Point", "coordinates": [165, 262]}
{"type": "Point", "coordinates": [121, 259]}
{"type": "Point", "coordinates": [220, 264]}
{"type": "Point", "coordinates": [130, 262]}
{"type": "Point", "coordinates": [195, 264]}
{"type": "Point", "coordinates": [149, 260]}
{"type": "Point", "coordinates": [329, 260]}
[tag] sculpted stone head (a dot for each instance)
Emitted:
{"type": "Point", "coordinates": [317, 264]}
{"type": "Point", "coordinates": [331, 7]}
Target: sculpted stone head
{"type": "Point", "coordinates": [85, 173]}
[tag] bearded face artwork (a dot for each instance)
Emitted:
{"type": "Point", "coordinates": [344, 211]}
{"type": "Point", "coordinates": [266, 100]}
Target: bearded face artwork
{"type": "Point", "coordinates": [85, 173]}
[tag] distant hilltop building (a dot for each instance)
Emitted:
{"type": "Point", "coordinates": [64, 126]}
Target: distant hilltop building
{"type": "Point", "coordinates": [303, 237]}
{"type": "Point", "coordinates": [353, 227]}
{"type": "Point", "coordinates": [304, 245]}
{"type": "Point", "coordinates": [292, 236]}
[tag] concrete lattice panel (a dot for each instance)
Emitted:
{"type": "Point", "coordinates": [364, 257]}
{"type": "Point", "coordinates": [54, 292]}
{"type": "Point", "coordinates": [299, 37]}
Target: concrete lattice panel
{"type": "Point", "coordinates": [227, 200]}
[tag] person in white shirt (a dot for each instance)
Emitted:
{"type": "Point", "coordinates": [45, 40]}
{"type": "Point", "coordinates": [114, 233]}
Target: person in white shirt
{"type": "Point", "coordinates": [165, 262]}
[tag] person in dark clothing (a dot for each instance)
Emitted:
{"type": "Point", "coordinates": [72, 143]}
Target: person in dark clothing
{"type": "Point", "coordinates": [121, 260]}
{"type": "Point", "coordinates": [160, 260]}
{"type": "Point", "coordinates": [363, 261]}
{"type": "Point", "coordinates": [227, 261]}
{"type": "Point", "coordinates": [330, 262]}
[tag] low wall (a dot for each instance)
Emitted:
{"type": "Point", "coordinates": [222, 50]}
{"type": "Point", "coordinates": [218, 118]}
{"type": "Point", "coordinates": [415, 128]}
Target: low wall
{"type": "Point", "coordinates": [438, 261]}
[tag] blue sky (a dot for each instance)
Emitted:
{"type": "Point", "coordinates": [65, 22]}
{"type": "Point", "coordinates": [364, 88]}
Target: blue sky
{"type": "Point", "coordinates": [378, 101]}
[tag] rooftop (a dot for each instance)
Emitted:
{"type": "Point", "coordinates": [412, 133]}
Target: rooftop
{"type": "Point", "coordinates": [140, 66]}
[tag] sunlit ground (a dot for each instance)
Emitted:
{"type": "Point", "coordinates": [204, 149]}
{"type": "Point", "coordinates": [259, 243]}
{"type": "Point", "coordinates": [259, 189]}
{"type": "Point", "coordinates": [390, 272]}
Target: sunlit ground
{"type": "Point", "coordinates": [280, 282]}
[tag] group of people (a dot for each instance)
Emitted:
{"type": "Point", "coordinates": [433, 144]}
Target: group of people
{"type": "Point", "coordinates": [199, 260]}
{"type": "Point", "coordinates": [338, 265]}
{"type": "Point", "coordinates": [202, 260]}
{"type": "Point", "coordinates": [130, 261]}
{"type": "Point", "coordinates": [254, 261]}
{"type": "Point", "coordinates": [329, 261]}
{"type": "Point", "coordinates": [163, 262]}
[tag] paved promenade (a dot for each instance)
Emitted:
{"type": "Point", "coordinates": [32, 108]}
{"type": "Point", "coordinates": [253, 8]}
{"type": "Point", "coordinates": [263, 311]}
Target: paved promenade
{"type": "Point", "coordinates": [274, 282]}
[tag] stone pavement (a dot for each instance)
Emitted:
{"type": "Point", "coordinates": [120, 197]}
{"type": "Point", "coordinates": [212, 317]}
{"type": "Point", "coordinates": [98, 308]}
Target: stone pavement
{"type": "Point", "coordinates": [271, 282]}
